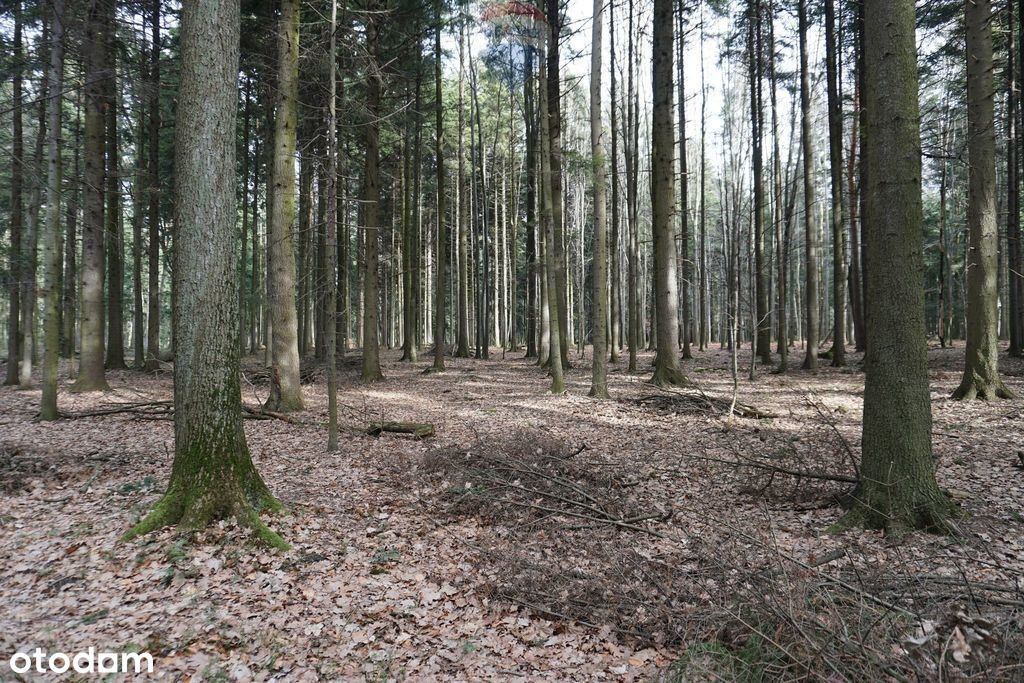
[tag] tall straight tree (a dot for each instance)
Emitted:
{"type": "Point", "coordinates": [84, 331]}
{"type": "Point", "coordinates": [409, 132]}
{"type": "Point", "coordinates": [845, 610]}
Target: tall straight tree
{"type": "Point", "coordinates": [1013, 152]}
{"type": "Point", "coordinates": [616, 277]}
{"type": "Point", "coordinates": [462, 192]}
{"type": "Point", "coordinates": [371, 208]}
{"type": "Point", "coordinates": [441, 288]}
{"type": "Point", "coordinates": [213, 476]}
{"type": "Point", "coordinates": [52, 248]}
{"type": "Point", "coordinates": [835, 146]}
{"type": "Point", "coordinates": [547, 221]}
{"type": "Point", "coordinates": [666, 364]}
{"type": "Point", "coordinates": [114, 234]}
{"type": "Point", "coordinates": [897, 489]}
{"type": "Point", "coordinates": [762, 320]}
{"type": "Point", "coordinates": [153, 320]}
{"type": "Point", "coordinates": [286, 391]}
{"type": "Point", "coordinates": [686, 325]}
{"type": "Point", "coordinates": [331, 238]}
{"type": "Point", "coordinates": [981, 370]}
{"type": "Point", "coordinates": [17, 215]}
{"type": "Point", "coordinates": [91, 375]}
{"type": "Point", "coordinates": [810, 223]}
{"type": "Point", "coordinates": [599, 311]}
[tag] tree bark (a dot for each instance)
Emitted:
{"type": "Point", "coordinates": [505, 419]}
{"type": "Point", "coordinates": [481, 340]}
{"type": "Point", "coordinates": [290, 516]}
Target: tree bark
{"type": "Point", "coordinates": [17, 210]}
{"type": "Point", "coordinates": [52, 249]}
{"type": "Point", "coordinates": [599, 312]}
{"type": "Point", "coordinates": [371, 213]}
{"type": "Point", "coordinates": [91, 375]}
{"type": "Point", "coordinates": [440, 290]}
{"type": "Point", "coordinates": [213, 476]}
{"type": "Point", "coordinates": [286, 392]}
{"type": "Point", "coordinates": [810, 223]}
{"type": "Point", "coordinates": [897, 489]}
{"type": "Point", "coordinates": [835, 140]}
{"type": "Point", "coordinates": [666, 364]}
{"type": "Point", "coordinates": [981, 370]}
{"type": "Point", "coordinates": [153, 319]}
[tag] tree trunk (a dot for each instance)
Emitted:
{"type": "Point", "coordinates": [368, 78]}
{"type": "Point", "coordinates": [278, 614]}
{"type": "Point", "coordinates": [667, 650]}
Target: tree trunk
{"type": "Point", "coordinates": [898, 490]}
{"type": "Point", "coordinates": [762, 321]}
{"type": "Point", "coordinates": [835, 140]}
{"type": "Point", "coordinates": [666, 365]}
{"type": "Point", "coordinates": [91, 376]}
{"type": "Point", "coordinates": [440, 290]}
{"type": "Point", "coordinates": [114, 230]}
{"type": "Point", "coordinates": [981, 371]}
{"type": "Point", "coordinates": [686, 326]}
{"type": "Point", "coordinates": [331, 236]}
{"type": "Point", "coordinates": [153, 320]}
{"type": "Point", "coordinates": [599, 312]}
{"type": "Point", "coordinates": [286, 392]}
{"type": "Point", "coordinates": [555, 363]}
{"type": "Point", "coordinates": [810, 224]}
{"type": "Point", "coordinates": [1013, 257]}
{"type": "Point", "coordinates": [213, 476]}
{"type": "Point", "coordinates": [52, 248]}
{"type": "Point", "coordinates": [17, 210]}
{"type": "Point", "coordinates": [371, 215]}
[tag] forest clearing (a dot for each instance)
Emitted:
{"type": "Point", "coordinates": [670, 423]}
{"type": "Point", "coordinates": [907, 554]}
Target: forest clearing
{"type": "Point", "coordinates": [409, 561]}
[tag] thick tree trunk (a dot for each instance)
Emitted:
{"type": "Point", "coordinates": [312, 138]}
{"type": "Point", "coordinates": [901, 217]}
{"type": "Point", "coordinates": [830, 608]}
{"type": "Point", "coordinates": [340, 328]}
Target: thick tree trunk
{"type": "Point", "coordinates": [91, 376]}
{"type": "Point", "coordinates": [981, 372]}
{"type": "Point", "coordinates": [666, 364]}
{"type": "Point", "coordinates": [286, 392]}
{"type": "Point", "coordinates": [898, 490]}
{"type": "Point", "coordinates": [213, 476]}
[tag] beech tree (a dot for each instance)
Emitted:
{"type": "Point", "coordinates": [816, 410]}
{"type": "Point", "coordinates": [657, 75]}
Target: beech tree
{"type": "Point", "coordinates": [213, 476]}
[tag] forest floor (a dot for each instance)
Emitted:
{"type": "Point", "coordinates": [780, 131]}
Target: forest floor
{"type": "Point", "coordinates": [533, 537]}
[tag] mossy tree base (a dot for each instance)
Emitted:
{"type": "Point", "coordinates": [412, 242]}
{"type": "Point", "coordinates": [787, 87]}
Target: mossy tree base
{"type": "Point", "coordinates": [195, 501]}
{"type": "Point", "coordinates": [975, 386]}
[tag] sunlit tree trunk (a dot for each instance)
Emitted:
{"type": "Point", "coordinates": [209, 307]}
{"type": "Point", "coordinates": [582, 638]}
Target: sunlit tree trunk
{"type": "Point", "coordinates": [599, 380]}
{"type": "Point", "coordinates": [810, 222]}
{"type": "Point", "coordinates": [286, 391]}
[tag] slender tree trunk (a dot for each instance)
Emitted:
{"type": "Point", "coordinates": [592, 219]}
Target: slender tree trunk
{"type": "Point", "coordinates": [835, 139]}
{"type": "Point", "coordinates": [554, 113]}
{"type": "Point", "coordinates": [371, 215]}
{"type": "Point", "coordinates": [243, 264]}
{"type": "Point", "coordinates": [91, 376]}
{"type": "Point", "coordinates": [532, 269]}
{"type": "Point", "coordinates": [115, 231]}
{"type": "Point", "coordinates": [153, 319]}
{"type": "Point", "coordinates": [981, 372]}
{"type": "Point", "coordinates": [69, 303]}
{"type": "Point", "coordinates": [138, 218]}
{"type": "Point", "coordinates": [286, 392]}
{"type": "Point", "coordinates": [632, 153]}
{"type": "Point", "coordinates": [52, 248]}
{"type": "Point", "coordinates": [440, 290]}
{"type": "Point", "coordinates": [762, 321]}
{"type": "Point", "coordinates": [616, 277]}
{"type": "Point", "coordinates": [810, 223]}
{"type": "Point", "coordinates": [686, 327]}
{"type": "Point", "coordinates": [15, 259]}
{"type": "Point", "coordinates": [599, 380]}
{"type": "Point", "coordinates": [898, 490]}
{"type": "Point", "coordinates": [331, 240]}
{"type": "Point", "coordinates": [555, 363]}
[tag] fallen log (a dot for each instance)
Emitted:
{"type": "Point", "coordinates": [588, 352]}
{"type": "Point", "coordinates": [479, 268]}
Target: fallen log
{"type": "Point", "coordinates": [420, 430]}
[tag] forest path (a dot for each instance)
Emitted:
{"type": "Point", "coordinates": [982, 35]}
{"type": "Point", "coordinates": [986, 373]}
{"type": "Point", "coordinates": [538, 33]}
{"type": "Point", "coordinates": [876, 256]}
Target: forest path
{"type": "Point", "coordinates": [385, 579]}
